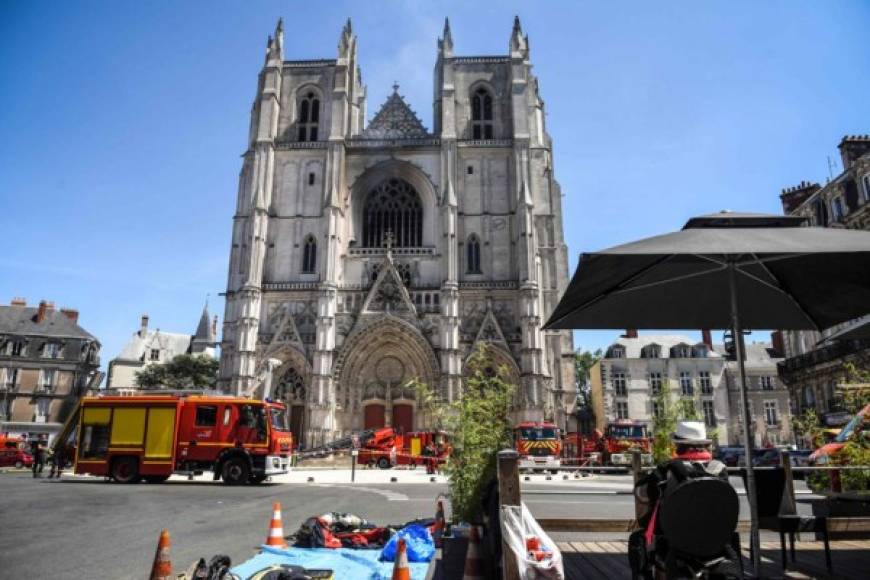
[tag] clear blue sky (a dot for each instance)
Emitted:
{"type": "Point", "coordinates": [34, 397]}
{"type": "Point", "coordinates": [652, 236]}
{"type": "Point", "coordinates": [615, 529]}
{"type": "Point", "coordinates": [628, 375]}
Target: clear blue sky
{"type": "Point", "coordinates": [122, 123]}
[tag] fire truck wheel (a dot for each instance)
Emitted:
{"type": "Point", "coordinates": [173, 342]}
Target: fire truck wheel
{"type": "Point", "coordinates": [384, 463]}
{"type": "Point", "coordinates": [125, 470]}
{"type": "Point", "coordinates": [235, 471]}
{"type": "Point", "coordinates": [155, 478]}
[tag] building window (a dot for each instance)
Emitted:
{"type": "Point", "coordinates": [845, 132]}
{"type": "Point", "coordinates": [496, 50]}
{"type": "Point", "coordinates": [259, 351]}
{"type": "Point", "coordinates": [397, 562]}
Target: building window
{"type": "Point", "coordinates": [766, 383]}
{"type": "Point", "coordinates": [5, 410]}
{"type": "Point", "coordinates": [616, 352]}
{"type": "Point", "coordinates": [154, 355]}
{"type": "Point", "coordinates": [709, 413]}
{"type": "Point", "coordinates": [393, 209]}
{"type": "Point", "coordinates": [619, 386]}
{"type": "Point", "coordinates": [473, 254]}
{"type": "Point", "coordinates": [658, 410]}
{"type": "Point", "coordinates": [681, 351]}
{"type": "Point", "coordinates": [866, 182]}
{"type": "Point", "coordinates": [651, 351]}
{"type": "Point", "coordinates": [46, 379]}
{"type": "Point", "coordinates": [309, 256]}
{"type": "Point", "coordinates": [14, 348]}
{"type": "Point", "coordinates": [311, 178]}
{"type": "Point", "coordinates": [655, 383]}
{"type": "Point", "coordinates": [43, 406]}
{"type": "Point", "coordinates": [700, 351]}
{"type": "Point", "coordinates": [770, 414]}
{"type": "Point", "coordinates": [51, 350]}
{"type": "Point", "coordinates": [9, 379]}
{"type": "Point", "coordinates": [705, 382]}
{"type": "Point", "coordinates": [837, 208]}
{"type": "Point", "coordinates": [622, 410]}
{"type": "Point", "coordinates": [686, 387]}
{"type": "Point", "coordinates": [481, 114]}
{"type": "Point", "coordinates": [470, 170]}
{"type": "Point", "coordinates": [309, 117]}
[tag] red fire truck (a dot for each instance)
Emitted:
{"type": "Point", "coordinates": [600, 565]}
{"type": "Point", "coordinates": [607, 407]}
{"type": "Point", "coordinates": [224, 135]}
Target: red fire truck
{"type": "Point", "coordinates": [621, 438]}
{"type": "Point", "coordinates": [539, 445]}
{"type": "Point", "coordinates": [386, 448]}
{"type": "Point", "coordinates": [579, 449]}
{"type": "Point", "coordinates": [129, 438]}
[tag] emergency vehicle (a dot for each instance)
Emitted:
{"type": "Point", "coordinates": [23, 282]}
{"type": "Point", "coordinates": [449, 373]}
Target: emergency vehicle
{"type": "Point", "coordinates": [580, 449]}
{"type": "Point", "coordinates": [386, 448]}
{"type": "Point", "coordinates": [621, 438]}
{"type": "Point", "coordinates": [150, 437]}
{"type": "Point", "coordinates": [539, 445]}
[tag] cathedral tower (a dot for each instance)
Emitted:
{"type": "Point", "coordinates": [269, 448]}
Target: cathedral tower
{"type": "Point", "coordinates": [364, 256]}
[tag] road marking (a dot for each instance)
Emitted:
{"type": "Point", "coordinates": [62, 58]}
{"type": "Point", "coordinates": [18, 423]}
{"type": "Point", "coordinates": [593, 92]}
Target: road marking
{"type": "Point", "coordinates": [389, 495]}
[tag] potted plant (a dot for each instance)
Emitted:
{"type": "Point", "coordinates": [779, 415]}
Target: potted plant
{"type": "Point", "coordinates": [479, 426]}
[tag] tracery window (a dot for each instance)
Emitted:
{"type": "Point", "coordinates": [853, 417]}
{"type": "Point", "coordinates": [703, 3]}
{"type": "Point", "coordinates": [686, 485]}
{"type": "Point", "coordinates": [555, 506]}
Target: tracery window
{"type": "Point", "coordinates": [481, 114]}
{"type": "Point", "coordinates": [473, 254]}
{"type": "Point", "coordinates": [291, 387]}
{"type": "Point", "coordinates": [393, 214]}
{"type": "Point", "coordinates": [309, 117]}
{"type": "Point", "coordinates": [309, 256]}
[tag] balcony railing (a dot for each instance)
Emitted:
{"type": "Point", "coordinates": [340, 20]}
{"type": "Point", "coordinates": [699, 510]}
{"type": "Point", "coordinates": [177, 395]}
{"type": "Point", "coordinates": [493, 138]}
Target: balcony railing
{"type": "Point", "coordinates": [822, 355]}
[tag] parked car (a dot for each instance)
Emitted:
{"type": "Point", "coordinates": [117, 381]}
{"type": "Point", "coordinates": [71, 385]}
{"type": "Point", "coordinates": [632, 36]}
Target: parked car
{"type": "Point", "coordinates": [731, 456]}
{"type": "Point", "coordinates": [15, 458]}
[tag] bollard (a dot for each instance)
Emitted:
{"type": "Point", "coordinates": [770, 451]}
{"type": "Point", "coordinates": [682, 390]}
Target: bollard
{"type": "Point", "coordinates": [310, 479]}
{"type": "Point", "coordinates": [564, 476]}
{"type": "Point", "coordinates": [508, 494]}
{"type": "Point", "coordinates": [394, 479]}
{"type": "Point", "coordinates": [527, 478]}
{"type": "Point", "coordinates": [432, 479]}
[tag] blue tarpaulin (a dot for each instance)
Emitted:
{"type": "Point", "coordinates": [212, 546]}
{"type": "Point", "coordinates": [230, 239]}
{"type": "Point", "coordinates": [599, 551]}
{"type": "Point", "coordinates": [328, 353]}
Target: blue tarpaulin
{"type": "Point", "coordinates": [418, 541]}
{"type": "Point", "coordinates": [346, 563]}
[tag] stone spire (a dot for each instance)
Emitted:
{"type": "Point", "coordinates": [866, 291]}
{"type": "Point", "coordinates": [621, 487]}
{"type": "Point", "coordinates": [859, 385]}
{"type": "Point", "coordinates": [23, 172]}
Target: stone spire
{"type": "Point", "coordinates": [345, 42]}
{"type": "Point", "coordinates": [445, 43]}
{"type": "Point", "coordinates": [204, 330]}
{"type": "Point", "coordinates": [519, 45]}
{"type": "Point", "coordinates": [275, 44]}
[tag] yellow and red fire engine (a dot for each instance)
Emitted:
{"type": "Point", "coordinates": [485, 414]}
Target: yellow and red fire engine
{"type": "Point", "coordinates": [539, 445]}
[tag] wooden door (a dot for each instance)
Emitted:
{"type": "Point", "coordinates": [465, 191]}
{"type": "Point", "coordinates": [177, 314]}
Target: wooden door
{"type": "Point", "coordinates": [297, 422]}
{"type": "Point", "coordinates": [403, 418]}
{"type": "Point", "coordinates": [374, 416]}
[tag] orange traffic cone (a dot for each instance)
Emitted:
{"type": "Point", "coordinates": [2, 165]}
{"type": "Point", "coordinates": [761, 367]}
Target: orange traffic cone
{"type": "Point", "coordinates": [473, 563]}
{"type": "Point", "coordinates": [162, 567]}
{"type": "Point", "coordinates": [440, 525]}
{"type": "Point", "coordinates": [401, 571]}
{"type": "Point", "coordinates": [276, 528]}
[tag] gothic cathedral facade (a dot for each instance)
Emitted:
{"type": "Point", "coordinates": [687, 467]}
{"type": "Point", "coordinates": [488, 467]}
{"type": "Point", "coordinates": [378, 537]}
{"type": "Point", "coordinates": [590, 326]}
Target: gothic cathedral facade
{"type": "Point", "coordinates": [365, 256]}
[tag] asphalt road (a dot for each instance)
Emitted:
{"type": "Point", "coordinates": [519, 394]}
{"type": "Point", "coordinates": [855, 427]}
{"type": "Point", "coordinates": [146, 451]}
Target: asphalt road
{"type": "Point", "coordinates": [85, 528]}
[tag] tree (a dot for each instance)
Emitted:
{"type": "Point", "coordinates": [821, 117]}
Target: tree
{"type": "Point", "coordinates": [479, 426]}
{"type": "Point", "coordinates": [183, 372]}
{"type": "Point", "coordinates": [664, 422]}
{"type": "Point", "coordinates": [583, 361]}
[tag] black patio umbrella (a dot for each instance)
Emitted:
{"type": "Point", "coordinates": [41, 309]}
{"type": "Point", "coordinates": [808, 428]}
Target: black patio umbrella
{"type": "Point", "coordinates": [724, 271]}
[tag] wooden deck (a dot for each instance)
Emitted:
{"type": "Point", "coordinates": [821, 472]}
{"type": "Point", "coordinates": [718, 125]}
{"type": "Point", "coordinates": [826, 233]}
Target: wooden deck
{"type": "Point", "coordinates": [608, 560]}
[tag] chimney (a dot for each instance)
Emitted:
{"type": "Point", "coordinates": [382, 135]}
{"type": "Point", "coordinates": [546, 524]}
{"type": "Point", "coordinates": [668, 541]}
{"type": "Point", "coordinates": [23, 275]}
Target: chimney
{"type": "Point", "coordinates": [852, 147]}
{"type": "Point", "coordinates": [143, 326]}
{"type": "Point", "coordinates": [18, 301]}
{"type": "Point", "coordinates": [630, 333]}
{"type": "Point", "coordinates": [792, 197]}
{"type": "Point", "coordinates": [777, 342]}
{"type": "Point", "coordinates": [707, 338]}
{"type": "Point", "coordinates": [71, 313]}
{"type": "Point", "coordinates": [44, 308]}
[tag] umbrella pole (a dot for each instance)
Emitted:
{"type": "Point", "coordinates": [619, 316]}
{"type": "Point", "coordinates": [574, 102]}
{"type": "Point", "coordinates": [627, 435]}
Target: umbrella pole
{"type": "Point", "coordinates": [739, 348]}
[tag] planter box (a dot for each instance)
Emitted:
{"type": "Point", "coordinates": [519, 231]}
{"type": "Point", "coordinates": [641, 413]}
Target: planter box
{"type": "Point", "coordinates": [843, 505]}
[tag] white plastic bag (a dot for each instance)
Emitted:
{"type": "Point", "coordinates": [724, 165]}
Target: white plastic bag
{"type": "Point", "coordinates": [516, 525]}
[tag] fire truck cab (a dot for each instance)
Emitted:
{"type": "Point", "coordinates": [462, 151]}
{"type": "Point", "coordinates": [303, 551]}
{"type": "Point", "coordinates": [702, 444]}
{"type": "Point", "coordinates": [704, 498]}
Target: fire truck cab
{"type": "Point", "coordinates": [621, 438]}
{"type": "Point", "coordinates": [129, 438]}
{"type": "Point", "coordinates": [539, 445]}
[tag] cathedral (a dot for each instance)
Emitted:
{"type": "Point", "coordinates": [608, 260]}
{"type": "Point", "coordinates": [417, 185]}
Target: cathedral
{"type": "Point", "coordinates": [367, 255]}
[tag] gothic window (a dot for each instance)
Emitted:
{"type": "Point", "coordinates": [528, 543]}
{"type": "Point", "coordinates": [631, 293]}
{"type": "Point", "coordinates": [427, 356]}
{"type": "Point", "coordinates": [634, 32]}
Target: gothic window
{"type": "Point", "coordinates": [309, 117]}
{"type": "Point", "coordinates": [481, 114]}
{"type": "Point", "coordinates": [309, 256]}
{"type": "Point", "coordinates": [393, 212]}
{"type": "Point", "coordinates": [473, 255]}
{"type": "Point", "coordinates": [291, 388]}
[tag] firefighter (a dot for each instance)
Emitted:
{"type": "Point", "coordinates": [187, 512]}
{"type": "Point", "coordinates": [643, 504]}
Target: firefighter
{"type": "Point", "coordinates": [58, 461]}
{"type": "Point", "coordinates": [37, 450]}
{"type": "Point", "coordinates": [429, 458]}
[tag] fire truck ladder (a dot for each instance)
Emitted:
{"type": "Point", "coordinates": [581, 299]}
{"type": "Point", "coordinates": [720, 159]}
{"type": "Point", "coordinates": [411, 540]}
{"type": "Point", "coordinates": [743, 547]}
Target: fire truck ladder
{"type": "Point", "coordinates": [73, 419]}
{"type": "Point", "coordinates": [337, 445]}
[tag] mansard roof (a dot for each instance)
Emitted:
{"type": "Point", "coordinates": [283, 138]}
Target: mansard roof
{"type": "Point", "coordinates": [395, 120]}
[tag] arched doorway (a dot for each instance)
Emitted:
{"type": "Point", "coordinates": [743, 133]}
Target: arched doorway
{"type": "Point", "coordinates": [291, 389]}
{"type": "Point", "coordinates": [375, 374]}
